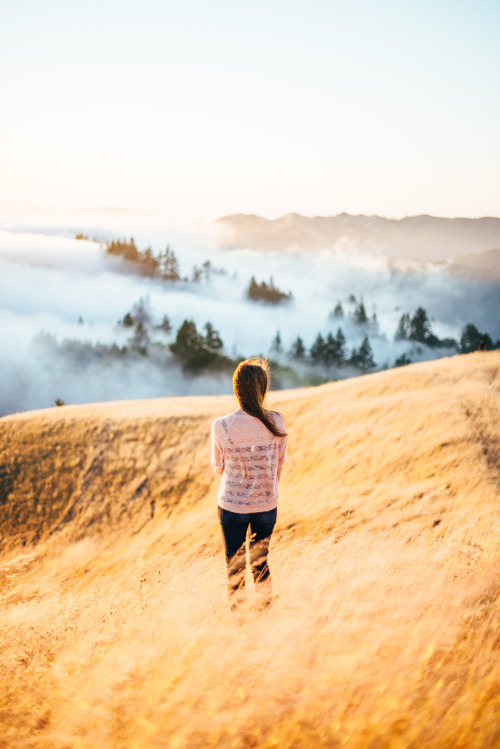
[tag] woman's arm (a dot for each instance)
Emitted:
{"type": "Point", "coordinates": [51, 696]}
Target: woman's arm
{"type": "Point", "coordinates": [217, 461]}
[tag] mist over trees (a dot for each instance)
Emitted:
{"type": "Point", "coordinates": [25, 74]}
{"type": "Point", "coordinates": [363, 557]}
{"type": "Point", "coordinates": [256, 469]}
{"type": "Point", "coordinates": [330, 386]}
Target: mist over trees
{"type": "Point", "coordinates": [418, 328]}
{"type": "Point", "coordinates": [196, 351]}
{"type": "Point", "coordinates": [200, 350]}
{"type": "Point", "coordinates": [163, 265]}
{"type": "Point", "coordinates": [266, 292]}
{"type": "Point", "coordinates": [472, 340]}
{"type": "Point", "coordinates": [331, 351]}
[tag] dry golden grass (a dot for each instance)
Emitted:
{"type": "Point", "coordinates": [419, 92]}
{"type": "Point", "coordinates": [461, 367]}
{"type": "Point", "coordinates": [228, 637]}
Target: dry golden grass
{"type": "Point", "coordinates": [386, 633]}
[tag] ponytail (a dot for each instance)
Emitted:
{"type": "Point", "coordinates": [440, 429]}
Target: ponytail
{"type": "Point", "coordinates": [250, 383]}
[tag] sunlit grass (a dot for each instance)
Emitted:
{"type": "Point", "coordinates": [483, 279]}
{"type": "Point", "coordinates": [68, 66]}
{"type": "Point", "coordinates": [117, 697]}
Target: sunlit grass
{"type": "Point", "coordinates": [385, 631]}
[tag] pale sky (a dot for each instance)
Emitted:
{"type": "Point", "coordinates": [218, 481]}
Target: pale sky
{"type": "Point", "coordinates": [193, 110]}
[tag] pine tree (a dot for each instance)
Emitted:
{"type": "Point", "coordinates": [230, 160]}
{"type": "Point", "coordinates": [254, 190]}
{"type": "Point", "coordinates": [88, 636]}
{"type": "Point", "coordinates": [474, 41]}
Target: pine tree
{"type": "Point", "coordinates": [128, 321]}
{"type": "Point", "coordinates": [360, 315]}
{"type": "Point", "coordinates": [165, 324]}
{"type": "Point", "coordinates": [276, 344]}
{"type": "Point", "coordinates": [330, 350]}
{"type": "Point", "coordinates": [211, 340]}
{"type": "Point", "coordinates": [404, 328]}
{"type": "Point", "coordinates": [317, 350]}
{"type": "Point", "coordinates": [141, 311]}
{"type": "Point", "coordinates": [341, 347]}
{"type": "Point", "coordinates": [402, 360]}
{"type": "Point", "coordinates": [472, 340]}
{"type": "Point", "coordinates": [338, 310]}
{"type": "Point", "coordinates": [149, 262]}
{"type": "Point", "coordinates": [187, 341]}
{"type": "Point", "coordinates": [140, 339]}
{"type": "Point", "coordinates": [364, 357]}
{"type": "Point", "coordinates": [420, 329]}
{"type": "Point", "coordinates": [207, 270]}
{"type": "Point", "coordinates": [334, 349]}
{"type": "Point", "coordinates": [169, 265]}
{"type": "Point", "coordinates": [298, 350]}
{"type": "Point", "coordinates": [252, 289]}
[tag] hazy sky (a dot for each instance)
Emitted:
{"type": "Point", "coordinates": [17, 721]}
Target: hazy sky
{"type": "Point", "coordinates": [194, 110]}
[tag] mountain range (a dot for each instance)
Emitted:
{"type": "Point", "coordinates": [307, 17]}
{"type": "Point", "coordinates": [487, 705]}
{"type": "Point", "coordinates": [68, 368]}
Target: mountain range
{"type": "Point", "coordinates": [418, 237]}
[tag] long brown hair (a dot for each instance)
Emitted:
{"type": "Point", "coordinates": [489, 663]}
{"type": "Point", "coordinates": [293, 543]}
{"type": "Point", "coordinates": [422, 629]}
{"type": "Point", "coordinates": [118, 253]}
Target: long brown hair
{"type": "Point", "coordinates": [250, 382]}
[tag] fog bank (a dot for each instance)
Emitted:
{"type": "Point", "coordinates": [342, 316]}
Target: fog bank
{"type": "Point", "coordinates": [73, 290]}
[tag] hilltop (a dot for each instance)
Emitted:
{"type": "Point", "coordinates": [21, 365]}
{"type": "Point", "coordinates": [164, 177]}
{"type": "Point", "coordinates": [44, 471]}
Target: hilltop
{"type": "Point", "coordinates": [115, 626]}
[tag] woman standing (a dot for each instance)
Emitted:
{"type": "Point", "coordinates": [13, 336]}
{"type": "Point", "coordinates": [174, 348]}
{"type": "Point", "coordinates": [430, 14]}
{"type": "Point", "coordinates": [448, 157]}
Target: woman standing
{"type": "Point", "coordinates": [248, 452]}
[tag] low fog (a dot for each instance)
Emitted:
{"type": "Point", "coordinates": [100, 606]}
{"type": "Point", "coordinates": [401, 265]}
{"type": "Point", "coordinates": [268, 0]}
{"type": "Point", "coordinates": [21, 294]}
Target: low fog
{"type": "Point", "coordinates": [55, 289]}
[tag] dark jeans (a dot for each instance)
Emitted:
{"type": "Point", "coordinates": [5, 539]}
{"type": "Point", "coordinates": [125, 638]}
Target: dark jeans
{"type": "Point", "coordinates": [234, 530]}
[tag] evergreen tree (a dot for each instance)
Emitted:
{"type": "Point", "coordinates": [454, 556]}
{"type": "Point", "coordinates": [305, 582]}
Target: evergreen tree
{"type": "Point", "coordinates": [402, 360]}
{"type": "Point", "coordinates": [198, 351]}
{"type": "Point", "coordinates": [363, 357]}
{"type": "Point", "coordinates": [420, 328]}
{"type": "Point", "coordinates": [298, 350]}
{"type": "Point", "coordinates": [206, 270]}
{"type": "Point", "coordinates": [266, 292]}
{"type": "Point", "coordinates": [334, 349]}
{"type": "Point", "coordinates": [125, 249]}
{"type": "Point", "coordinates": [169, 265]}
{"type": "Point", "coordinates": [165, 324]}
{"type": "Point", "coordinates": [338, 310]}
{"type": "Point", "coordinates": [211, 340]}
{"type": "Point", "coordinates": [252, 289]}
{"type": "Point", "coordinates": [317, 350]}
{"type": "Point", "coordinates": [128, 321]}
{"type": "Point", "coordinates": [351, 299]}
{"type": "Point", "coordinates": [404, 327]}
{"type": "Point", "coordinates": [341, 347]}
{"type": "Point", "coordinates": [330, 350]}
{"type": "Point", "coordinates": [472, 340]}
{"type": "Point", "coordinates": [360, 315]}
{"type": "Point", "coordinates": [140, 339]}
{"type": "Point", "coordinates": [141, 311]}
{"type": "Point", "coordinates": [150, 264]}
{"type": "Point", "coordinates": [276, 344]}
{"type": "Point", "coordinates": [187, 341]}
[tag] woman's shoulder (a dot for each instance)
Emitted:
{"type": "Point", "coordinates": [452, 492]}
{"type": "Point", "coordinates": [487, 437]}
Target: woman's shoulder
{"type": "Point", "coordinates": [220, 421]}
{"type": "Point", "coordinates": [278, 418]}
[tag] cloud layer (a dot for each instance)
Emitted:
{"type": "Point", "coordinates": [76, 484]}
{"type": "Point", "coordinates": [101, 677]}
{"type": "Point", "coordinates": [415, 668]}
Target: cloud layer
{"type": "Point", "coordinates": [72, 290]}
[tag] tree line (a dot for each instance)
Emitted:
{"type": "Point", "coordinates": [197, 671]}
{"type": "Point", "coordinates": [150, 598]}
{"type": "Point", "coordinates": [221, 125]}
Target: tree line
{"type": "Point", "coordinates": [163, 265]}
{"type": "Point", "coordinates": [418, 329]}
{"type": "Point", "coordinates": [266, 292]}
{"type": "Point", "coordinates": [329, 351]}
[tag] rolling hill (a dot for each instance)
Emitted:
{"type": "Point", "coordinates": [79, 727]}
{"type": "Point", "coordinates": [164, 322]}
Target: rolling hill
{"type": "Point", "coordinates": [386, 564]}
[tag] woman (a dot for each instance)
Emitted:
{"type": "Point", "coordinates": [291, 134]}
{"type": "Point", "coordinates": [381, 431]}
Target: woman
{"type": "Point", "coordinates": [248, 452]}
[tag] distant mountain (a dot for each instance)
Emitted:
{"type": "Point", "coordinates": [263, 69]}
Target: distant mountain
{"type": "Point", "coordinates": [420, 237]}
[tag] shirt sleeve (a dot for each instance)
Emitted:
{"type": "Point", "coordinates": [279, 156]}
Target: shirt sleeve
{"type": "Point", "coordinates": [283, 442]}
{"type": "Point", "coordinates": [217, 461]}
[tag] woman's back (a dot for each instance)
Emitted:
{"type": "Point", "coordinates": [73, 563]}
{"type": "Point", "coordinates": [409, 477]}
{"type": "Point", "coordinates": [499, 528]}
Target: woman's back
{"type": "Point", "coordinates": [250, 456]}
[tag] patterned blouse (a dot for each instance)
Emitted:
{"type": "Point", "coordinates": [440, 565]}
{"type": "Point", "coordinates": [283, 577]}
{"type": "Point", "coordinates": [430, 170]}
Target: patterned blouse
{"type": "Point", "coordinates": [249, 456]}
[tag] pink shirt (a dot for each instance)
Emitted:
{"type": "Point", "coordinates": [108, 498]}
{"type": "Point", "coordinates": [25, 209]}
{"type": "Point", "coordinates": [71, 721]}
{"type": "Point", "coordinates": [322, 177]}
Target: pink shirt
{"type": "Point", "coordinates": [249, 456]}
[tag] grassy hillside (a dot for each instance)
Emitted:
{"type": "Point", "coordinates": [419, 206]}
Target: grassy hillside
{"type": "Point", "coordinates": [115, 629]}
